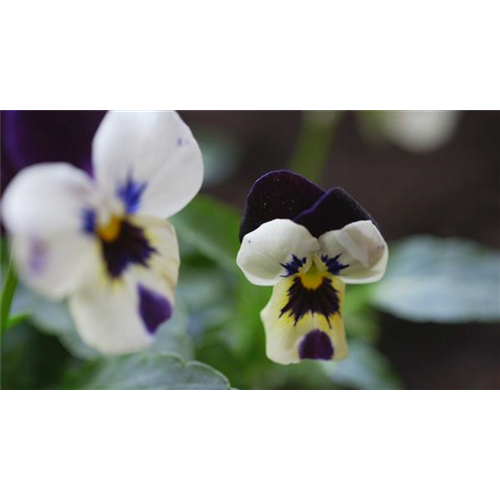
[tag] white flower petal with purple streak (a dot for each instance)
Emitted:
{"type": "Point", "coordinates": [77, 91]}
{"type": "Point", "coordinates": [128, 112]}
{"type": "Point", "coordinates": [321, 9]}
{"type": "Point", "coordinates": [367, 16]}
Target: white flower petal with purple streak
{"type": "Point", "coordinates": [102, 243]}
{"type": "Point", "coordinates": [149, 160]}
{"type": "Point", "coordinates": [43, 210]}
{"type": "Point", "coordinates": [265, 251]}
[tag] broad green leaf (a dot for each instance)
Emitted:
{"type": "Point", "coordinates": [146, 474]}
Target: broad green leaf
{"type": "Point", "coordinates": [30, 360]}
{"type": "Point", "coordinates": [52, 318]}
{"type": "Point", "coordinates": [364, 368]}
{"type": "Point", "coordinates": [148, 371]}
{"type": "Point", "coordinates": [172, 336]}
{"type": "Point", "coordinates": [441, 280]}
{"type": "Point", "coordinates": [211, 227]}
{"type": "Point", "coordinates": [207, 293]}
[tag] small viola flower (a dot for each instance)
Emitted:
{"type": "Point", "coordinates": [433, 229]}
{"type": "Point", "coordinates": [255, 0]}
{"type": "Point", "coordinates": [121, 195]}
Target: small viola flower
{"type": "Point", "coordinates": [103, 242]}
{"type": "Point", "coordinates": [307, 244]}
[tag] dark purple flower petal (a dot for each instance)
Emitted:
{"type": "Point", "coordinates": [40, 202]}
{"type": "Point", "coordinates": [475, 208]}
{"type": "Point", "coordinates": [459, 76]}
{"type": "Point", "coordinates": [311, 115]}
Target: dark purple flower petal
{"type": "Point", "coordinates": [7, 172]}
{"type": "Point", "coordinates": [334, 210]}
{"type": "Point", "coordinates": [30, 137]}
{"type": "Point", "coordinates": [278, 195]}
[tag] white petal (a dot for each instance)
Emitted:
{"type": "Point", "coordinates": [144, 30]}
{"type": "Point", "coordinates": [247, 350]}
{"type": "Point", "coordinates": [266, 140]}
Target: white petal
{"type": "Point", "coordinates": [48, 197]}
{"type": "Point", "coordinates": [361, 247]}
{"type": "Point", "coordinates": [43, 210]}
{"type": "Point", "coordinates": [121, 316]}
{"type": "Point", "coordinates": [420, 131]}
{"type": "Point", "coordinates": [154, 150]}
{"type": "Point", "coordinates": [263, 252]}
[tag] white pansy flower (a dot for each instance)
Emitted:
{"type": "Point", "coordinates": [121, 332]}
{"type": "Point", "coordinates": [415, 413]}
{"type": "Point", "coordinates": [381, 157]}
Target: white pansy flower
{"type": "Point", "coordinates": [307, 244]}
{"type": "Point", "coordinates": [103, 242]}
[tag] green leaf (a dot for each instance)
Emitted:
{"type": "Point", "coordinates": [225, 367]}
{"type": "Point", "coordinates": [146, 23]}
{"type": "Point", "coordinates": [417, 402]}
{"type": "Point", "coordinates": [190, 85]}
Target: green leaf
{"type": "Point", "coordinates": [212, 228]}
{"type": "Point", "coordinates": [207, 294]}
{"type": "Point", "coordinates": [4, 256]}
{"type": "Point", "coordinates": [9, 285]}
{"type": "Point", "coordinates": [364, 368]}
{"type": "Point", "coordinates": [246, 323]}
{"type": "Point", "coordinates": [441, 280]}
{"type": "Point", "coordinates": [172, 336]}
{"type": "Point", "coordinates": [52, 318]}
{"type": "Point", "coordinates": [148, 371]}
{"type": "Point", "coordinates": [17, 319]}
{"type": "Point", "coordinates": [30, 360]}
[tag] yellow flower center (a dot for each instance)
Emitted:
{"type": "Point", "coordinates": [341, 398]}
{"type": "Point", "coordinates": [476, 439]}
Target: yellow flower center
{"type": "Point", "coordinates": [313, 278]}
{"type": "Point", "coordinates": [111, 230]}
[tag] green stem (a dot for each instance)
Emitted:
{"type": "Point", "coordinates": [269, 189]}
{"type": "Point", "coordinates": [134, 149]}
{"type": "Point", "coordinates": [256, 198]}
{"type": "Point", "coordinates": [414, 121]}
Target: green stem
{"type": "Point", "coordinates": [312, 147]}
{"type": "Point", "coordinates": [8, 291]}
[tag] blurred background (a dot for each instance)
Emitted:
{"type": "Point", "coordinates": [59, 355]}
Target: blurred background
{"type": "Point", "coordinates": [430, 179]}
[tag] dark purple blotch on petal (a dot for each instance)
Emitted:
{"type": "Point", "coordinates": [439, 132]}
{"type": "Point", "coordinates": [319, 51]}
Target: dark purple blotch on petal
{"type": "Point", "coordinates": [334, 210]}
{"type": "Point", "coordinates": [29, 137]}
{"type": "Point", "coordinates": [154, 308]}
{"type": "Point", "coordinates": [131, 247]}
{"type": "Point", "coordinates": [316, 345]}
{"type": "Point", "coordinates": [278, 195]}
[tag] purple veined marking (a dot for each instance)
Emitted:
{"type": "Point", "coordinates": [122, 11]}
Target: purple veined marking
{"type": "Point", "coordinates": [333, 264]}
{"type": "Point", "coordinates": [88, 221]}
{"type": "Point", "coordinates": [316, 345]}
{"type": "Point", "coordinates": [130, 192]}
{"type": "Point", "coordinates": [293, 266]}
{"type": "Point", "coordinates": [37, 255]}
{"type": "Point", "coordinates": [154, 308]}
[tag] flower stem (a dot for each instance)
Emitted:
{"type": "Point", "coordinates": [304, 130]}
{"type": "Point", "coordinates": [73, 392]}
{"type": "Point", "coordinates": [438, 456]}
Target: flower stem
{"type": "Point", "coordinates": [8, 291]}
{"type": "Point", "coordinates": [313, 144]}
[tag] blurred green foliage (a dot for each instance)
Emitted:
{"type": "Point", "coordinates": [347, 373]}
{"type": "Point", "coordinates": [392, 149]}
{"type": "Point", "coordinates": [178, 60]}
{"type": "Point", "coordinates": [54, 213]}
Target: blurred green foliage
{"type": "Point", "coordinates": [146, 371]}
{"type": "Point", "coordinates": [441, 280]}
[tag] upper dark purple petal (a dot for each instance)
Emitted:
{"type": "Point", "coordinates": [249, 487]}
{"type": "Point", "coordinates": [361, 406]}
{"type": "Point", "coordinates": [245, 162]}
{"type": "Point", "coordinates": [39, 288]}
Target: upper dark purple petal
{"type": "Point", "coordinates": [278, 195]}
{"type": "Point", "coordinates": [334, 210]}
{"type": "Point", "coordinates": [30, 137]}
{"type": "Point", "coordinates": [7, 171]}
